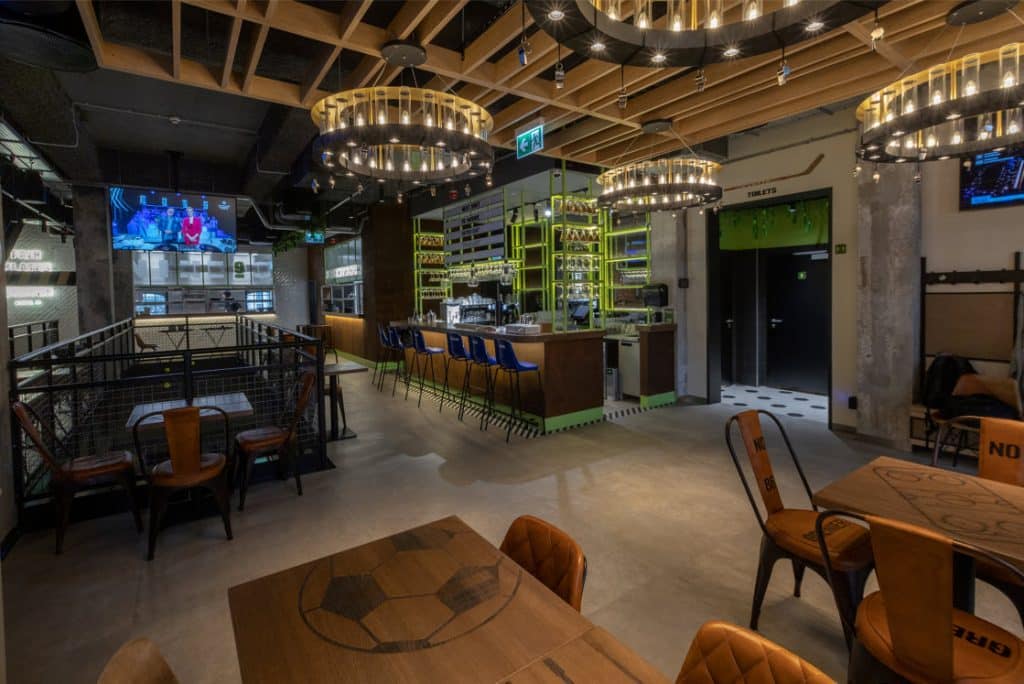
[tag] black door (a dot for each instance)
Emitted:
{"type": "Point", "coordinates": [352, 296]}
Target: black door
{"type": "Point", "coordinates": [797, 320]}
{"type": "Point", "coordinates": [727, 317]}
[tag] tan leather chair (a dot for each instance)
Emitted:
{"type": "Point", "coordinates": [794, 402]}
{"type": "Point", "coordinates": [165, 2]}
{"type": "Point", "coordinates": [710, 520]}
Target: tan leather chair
{"type": "Point", "coordinates": [909, 631]}
{"type": "Point", "coordinates": [1001, 458]}
{"type": "Point", "coordinates": [550, 555]}
{"type": "Point", "coordinates": [272, 439]}
{"type": "Point", "coordinates": [186, 467]}
{"type": "Point", "coordinates": [137, 662]}
{"type": "Point", "coordinates": [722, 653]}
{"type": "Point", "coordinates": [789, 533]}
{"type": "Point", "coordinates": [1004, 389]}
{"type": "Point", "coordinates": [68, 477]}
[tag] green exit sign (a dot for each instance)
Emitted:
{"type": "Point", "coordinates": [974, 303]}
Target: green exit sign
{"type": "Point", "coordinates": [801, 275]}
{"type": "Point", "coordinates": [529, 141]}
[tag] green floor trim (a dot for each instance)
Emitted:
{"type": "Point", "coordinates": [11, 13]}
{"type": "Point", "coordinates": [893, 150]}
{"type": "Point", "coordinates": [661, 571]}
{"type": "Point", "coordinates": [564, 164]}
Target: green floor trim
{"type": "Point", "coordinates": [358, 359]}
{"type": "Point", "coordinates": [571, 420]}
{"type": "Point", "coordinates": [655, 400]}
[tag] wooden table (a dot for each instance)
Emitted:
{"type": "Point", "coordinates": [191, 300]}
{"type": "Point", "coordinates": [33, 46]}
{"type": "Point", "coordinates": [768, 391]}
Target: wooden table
{"type": "Point", "coordinates": [332, 372]}
{"type": "Point", "coordinates": [235, 404]}
{"type": "Point", "coordinates": [985, 513]}
{"type": "Point", "coordinates": [436, 603]}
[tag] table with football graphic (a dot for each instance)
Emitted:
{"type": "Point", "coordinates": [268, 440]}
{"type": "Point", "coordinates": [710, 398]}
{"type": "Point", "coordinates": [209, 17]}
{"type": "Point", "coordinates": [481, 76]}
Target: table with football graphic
{"type": "Point", "coordinates": [434, 603]}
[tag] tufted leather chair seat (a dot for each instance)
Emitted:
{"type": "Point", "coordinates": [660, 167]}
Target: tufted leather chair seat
{"type": "Point", "coordinates": [722, 653]}
{"type": "Point", "coordinates": [849, 545]}
{"type": "Point", "coordinates": [549, 554]}
{"type": "Point", "coordinates": [982, 652]}
{"type": "Point", "coordinates": [210, 465]}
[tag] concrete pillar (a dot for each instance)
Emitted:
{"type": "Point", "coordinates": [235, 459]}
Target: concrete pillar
{"type": "Point", "coordinates": [93, 261]}
{"type": "Point", "coordinates": [317, 279]}
{"type": "Point", "coordinates": [888, 307]}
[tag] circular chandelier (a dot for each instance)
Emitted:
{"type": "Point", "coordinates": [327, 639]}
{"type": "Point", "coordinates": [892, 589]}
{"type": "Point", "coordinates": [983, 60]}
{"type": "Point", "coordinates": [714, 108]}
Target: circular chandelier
{"type": "Point", "coordinates": [402, 134]}
{"type": "Point", "coordinates": [675, 33]}
{"type": "Point", "coordinates": [660, 185]}
{"type": "Point", "coordinates": [957, 109]}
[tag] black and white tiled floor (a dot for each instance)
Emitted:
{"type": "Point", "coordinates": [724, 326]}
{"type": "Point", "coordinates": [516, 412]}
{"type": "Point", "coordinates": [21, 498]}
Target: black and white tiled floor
{"type": "Point", "coordinates": [778, 401]}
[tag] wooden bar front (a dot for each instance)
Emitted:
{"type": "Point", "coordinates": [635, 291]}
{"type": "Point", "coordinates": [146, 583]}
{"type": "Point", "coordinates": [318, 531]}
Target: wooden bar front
{"type": "Point", "coordinates": [349, 333]}
{"type": "Point", "coordinates": [657, 358]}
{"type": "Point", "coordinates": [570, 366]}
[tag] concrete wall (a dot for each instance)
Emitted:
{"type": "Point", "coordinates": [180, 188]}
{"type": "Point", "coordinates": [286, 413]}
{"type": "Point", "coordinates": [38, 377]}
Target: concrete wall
{"type": "Point", "coordinates": [757, 158]}
{"type": "Point", "coordinates": [668, 263]}
{"type": "Point", "coordinates": [93, 259]}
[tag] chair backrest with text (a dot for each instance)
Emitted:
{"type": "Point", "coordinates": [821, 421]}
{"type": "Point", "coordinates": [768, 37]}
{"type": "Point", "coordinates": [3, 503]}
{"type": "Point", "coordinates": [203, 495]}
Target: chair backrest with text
{"type": "Point", "coordinates": [749, 423]}
{"type": "Point", "coordinates": [1001, 450]}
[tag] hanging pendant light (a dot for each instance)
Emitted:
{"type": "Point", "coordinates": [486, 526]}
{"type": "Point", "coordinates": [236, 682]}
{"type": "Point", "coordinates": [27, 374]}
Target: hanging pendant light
{"type": "Point", "coordinates": [660, 185]}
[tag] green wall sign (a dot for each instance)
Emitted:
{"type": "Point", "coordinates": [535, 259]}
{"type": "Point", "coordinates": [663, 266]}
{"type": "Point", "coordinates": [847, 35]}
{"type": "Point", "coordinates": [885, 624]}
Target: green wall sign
{"type": "Point", "coordinates": [530, 141]}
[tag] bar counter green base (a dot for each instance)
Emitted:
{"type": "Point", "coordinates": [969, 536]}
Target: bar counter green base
{"type": "Point", "coordinates": [571, 420]}
{"type": "Point", "coordinates": [656, 400]}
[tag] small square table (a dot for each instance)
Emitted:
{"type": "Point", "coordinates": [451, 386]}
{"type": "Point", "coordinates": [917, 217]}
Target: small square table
{"type": "Point", "coordinates": [235, 404]}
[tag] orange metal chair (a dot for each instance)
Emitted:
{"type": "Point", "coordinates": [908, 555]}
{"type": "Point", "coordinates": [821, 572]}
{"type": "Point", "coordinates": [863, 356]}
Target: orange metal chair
{"type": "Point", "coordinates": [138, 661]}
{"type": "Point", "coordinates": [273, 439]}
{"type": "Point", "coordinates": [187, 466]}
{"type": "Point", "coordinates": [789, 533]}
{"type": "Point", "coordinates": [550, 555]}
{"type": "Point", "coordinates": [908, 630]}
{"type": "Point", "coordinates": [76, 473]}
{"type": "Point", "coordinates": [722, 653]}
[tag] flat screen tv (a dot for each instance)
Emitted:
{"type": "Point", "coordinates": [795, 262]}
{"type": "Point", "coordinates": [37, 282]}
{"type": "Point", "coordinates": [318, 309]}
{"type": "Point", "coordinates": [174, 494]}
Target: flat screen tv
{"type": "Point", "coordinates": [994, 179]}
{"type": "Point", "coordinates": [155, 220]}
{"type": "Point", "coordinates": [314, 237]}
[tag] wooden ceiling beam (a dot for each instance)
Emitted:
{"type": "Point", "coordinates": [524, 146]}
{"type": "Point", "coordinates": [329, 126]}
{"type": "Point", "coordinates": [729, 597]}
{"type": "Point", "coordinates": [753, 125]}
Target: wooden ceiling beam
{"type": "Point", "coordinates": [496, 36]}
{"type": "Point", "coordinates": [257, 46]}
{"type": "Point", "coordinates": [176, 38]}
{"type": "Point", "coordinates": [92, 30]}
{"type": "Point", "coordinates": [349, 17]}
{"type": "Point", "coordinates": [884, 47]}
{"type": "Point", "coordinates": [432, 24]}
{"type": "Point", "coordinates": [400, 27]}
{"type": "Point", "coordinates": [229, 56]}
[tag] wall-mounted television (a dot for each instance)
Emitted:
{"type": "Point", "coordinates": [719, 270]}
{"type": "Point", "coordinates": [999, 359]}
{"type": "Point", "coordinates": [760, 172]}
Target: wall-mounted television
{"type": "Point", "coordinates": [314, 237]}
{"type": "Point", "coordinates": [146, 220]}
{"type": "Point", "coordinates": [994, 179]}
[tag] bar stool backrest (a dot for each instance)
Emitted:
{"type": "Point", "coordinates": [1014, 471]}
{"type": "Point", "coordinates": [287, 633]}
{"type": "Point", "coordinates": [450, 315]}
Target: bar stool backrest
{"type": "Point", "coordinates": [418, 343]}
{"type": "Point", "coordinates": [1001, 450]}
{"type": "Point", "coordinates": [395, 338]}
{"type": "Point", "coordinates": [506, 355]}
{"type": "Point", "coordinates": [382, 335]}
{"type": "Point", "coordinates": [478, 349]}
{"type": "Point", "coordinates": [456, 348]}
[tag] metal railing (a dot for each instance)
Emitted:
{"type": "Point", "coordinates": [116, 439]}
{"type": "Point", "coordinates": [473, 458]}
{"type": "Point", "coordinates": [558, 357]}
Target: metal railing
{"type": "Point", "coordinates": [89, 389]}
{"type": "Point", "coordinates": [26, 337]}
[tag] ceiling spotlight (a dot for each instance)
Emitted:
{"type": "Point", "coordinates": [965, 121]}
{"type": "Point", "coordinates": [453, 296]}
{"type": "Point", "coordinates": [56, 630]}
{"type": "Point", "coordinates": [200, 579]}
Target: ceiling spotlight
{"type": "Point", "coordinates": [597, 46]}
{"type": "Point", "coordinates": [917, 174]}
{"type": "Point", "coordinates": [399, 198]}
{"type": "Point", "coordinates": [433, 191]}
{"type": "Point", "coordinates": [330, 182]}
{"type": "Point", "coordinates": [814, 25]}
{"type": "Point", "coordinates": [556, 15]}
{"type": "Point", "coordinates": [315, 186]}
{"type": "Point", "coordinates": [524, 51]}
{"type": "Point", "coordinates": [467, 190]}
{"type": "Point", "coordinates": [559, 76]}
{"type": "Point", "coordinates": [782, 75]}
{"type": "Point", "coordinates": [623, 99]}
{"type": "Point", "coordinates": [877, 32]}
{"type": "Point", "coordinates": [489, 180]}
{"type": "Point", "coordinates": [658, 58]}
{"type": "Point", "coordinates": [876, 176]}
{"type": "Point", "coordinates": [731, 51]}
{"type": "Point", "coordinates": [700, 80]}
{"type": "Point", "coordinates": [856, 170]}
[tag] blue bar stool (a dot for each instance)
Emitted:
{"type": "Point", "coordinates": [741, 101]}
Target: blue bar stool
{"type": "Point", "coordinates": [398, 347]}
{"type": "Point", "coordinates": [383, 352]}
{"type": "Point", "coordinates": [422, 351]}
{"type": "Point", "coordinates": [479, 357]}
{"type": "Point", "coordinates": [456, 352]}
{"type": "Point", "coordinates": [510, 365]}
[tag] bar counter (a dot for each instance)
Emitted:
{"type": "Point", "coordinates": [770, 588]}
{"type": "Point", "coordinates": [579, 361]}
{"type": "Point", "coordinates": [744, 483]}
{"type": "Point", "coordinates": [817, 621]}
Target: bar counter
{"type": "Point", "coordinates": [348, 333]}
{"type": "Point", "coordinates": [570, 390]}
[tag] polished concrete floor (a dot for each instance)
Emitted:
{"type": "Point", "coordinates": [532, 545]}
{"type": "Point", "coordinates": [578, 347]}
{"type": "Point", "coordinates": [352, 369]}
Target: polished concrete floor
{"type": "Point", "coordinates": [653, 498]}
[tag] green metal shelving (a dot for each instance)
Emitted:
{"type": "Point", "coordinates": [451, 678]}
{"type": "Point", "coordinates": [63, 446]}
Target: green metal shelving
{"type": "Point", "coordinates": [627, 265]}
{"type": "Point", "coordinates": [430, 274]}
